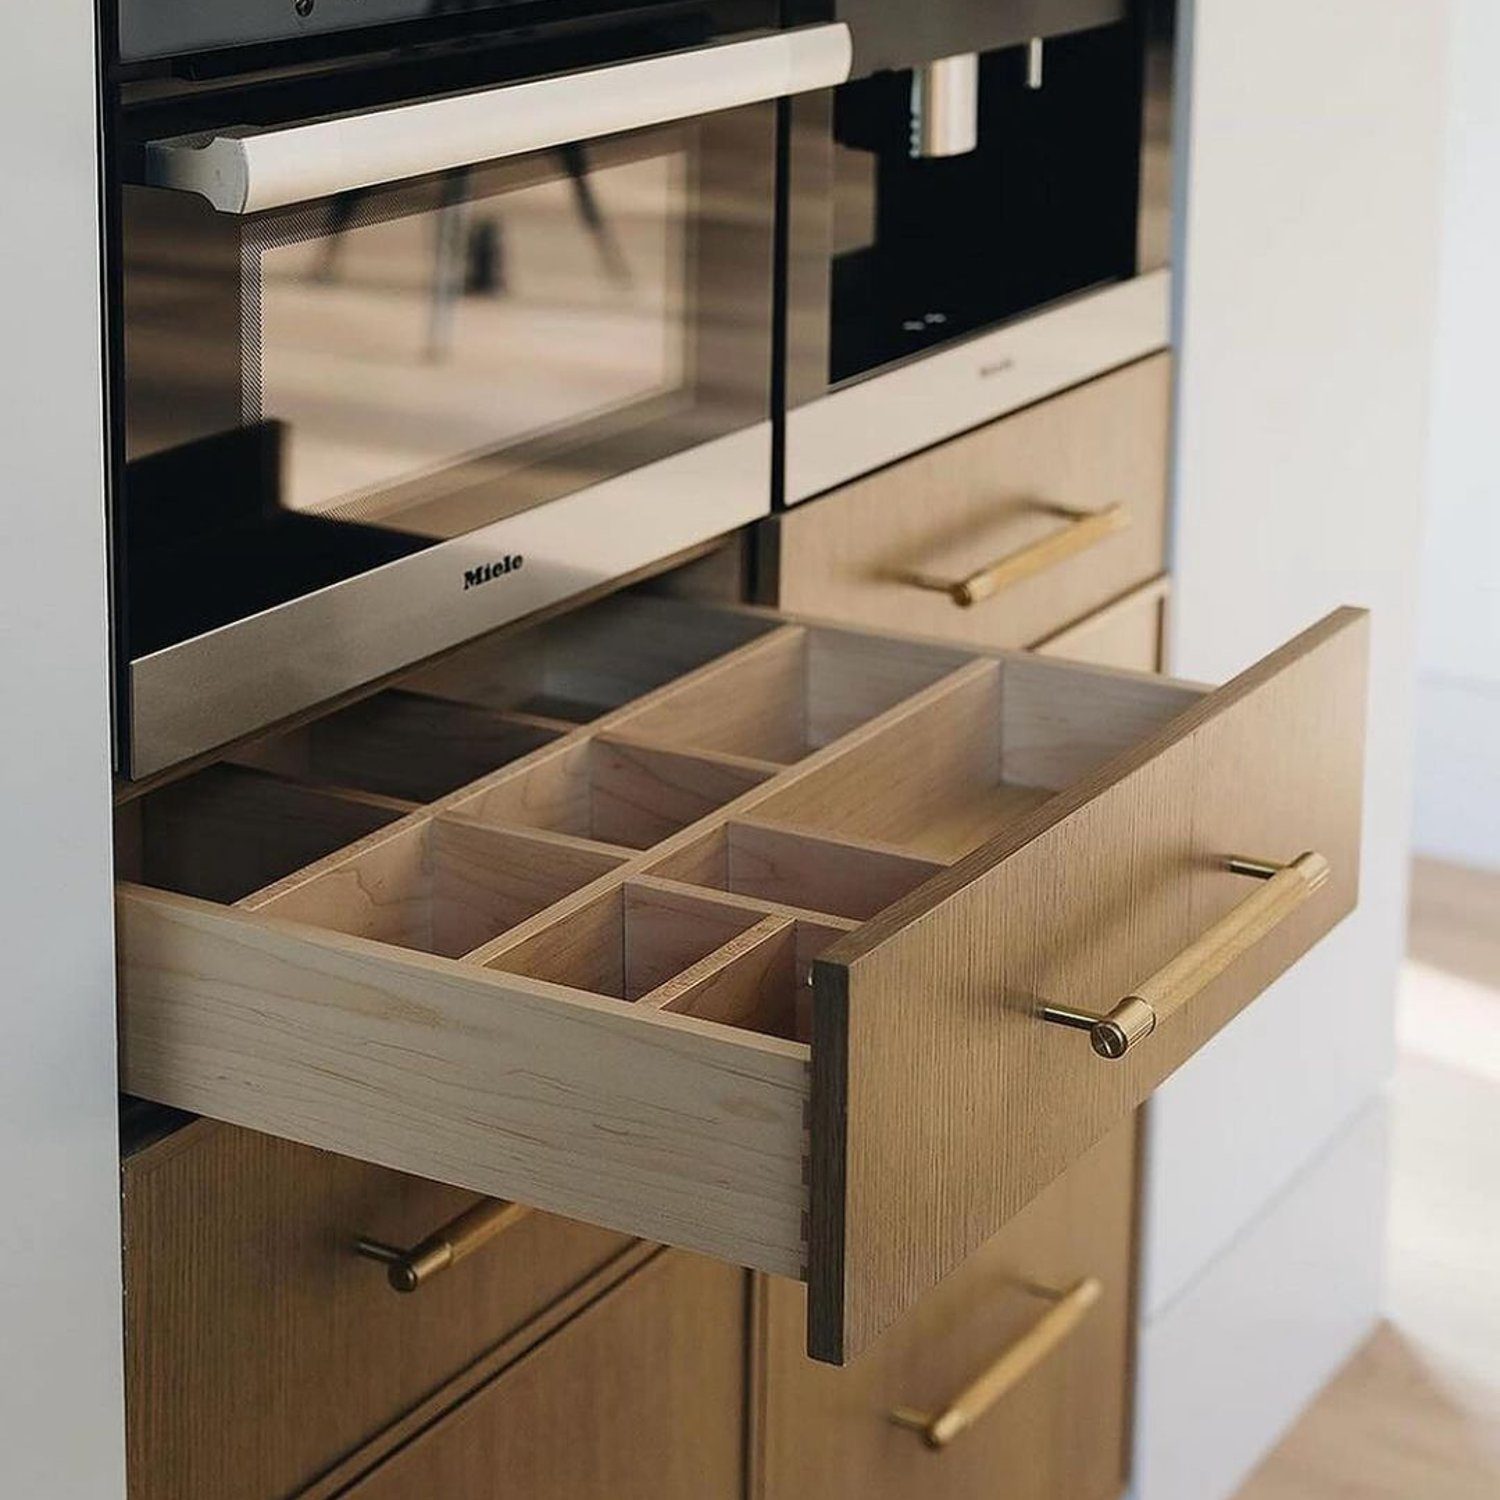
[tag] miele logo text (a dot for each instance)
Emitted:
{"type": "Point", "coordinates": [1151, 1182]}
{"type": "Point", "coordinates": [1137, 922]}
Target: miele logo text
{"type": "Point", "coordinates": [473, 577]}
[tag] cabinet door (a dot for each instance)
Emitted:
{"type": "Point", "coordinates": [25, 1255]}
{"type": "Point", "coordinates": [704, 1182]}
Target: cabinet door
{"type": "Point", "coordinates": [639, 1398]}
{"type": "Point", "coordinates": [261, 1347]}
{"type": "Point", "coordinates": [1056, 1431]}
{"type": "Point", "coordinates": [1002, 536]}
{"type": "Point", "coordinates": [1130, 633]}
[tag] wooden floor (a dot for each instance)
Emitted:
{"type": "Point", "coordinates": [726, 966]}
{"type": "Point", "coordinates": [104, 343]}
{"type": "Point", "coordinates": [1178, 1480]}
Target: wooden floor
{"type": "Point", "coordinates": [1415, 1415]}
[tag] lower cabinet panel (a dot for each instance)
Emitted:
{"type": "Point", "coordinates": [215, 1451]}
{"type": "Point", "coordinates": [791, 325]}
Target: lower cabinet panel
{"type": "Point", "coordinates": [261, 1349]}
{"type": "Point", "coordinates": [1231, 1363]}
{"type": "Point", "coordinates": [1128, 633]}
{"type": "Point", "coordinates": [1059, 1433]}
{"type": "Point", "coordinates": [639, 1398]}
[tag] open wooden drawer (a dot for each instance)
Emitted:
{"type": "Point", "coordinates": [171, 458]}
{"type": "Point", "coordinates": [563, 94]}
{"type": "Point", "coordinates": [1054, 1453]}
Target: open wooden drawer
{"type": "Point", "coordinates": [758, 961]}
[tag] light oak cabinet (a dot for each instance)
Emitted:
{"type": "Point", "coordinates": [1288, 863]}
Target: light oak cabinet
{"type": "Point", "coordinates": [638, 1398]}
{"type": "Point", "coordinates": [261, 1348]}
{"type": "Point", "coordinates": [1016, 1365]}
{"type": "Point", "coordinates": [582, 980]}
{"type": "Point", "coordinates": [1000, 537]}
{"type": "Point", "coordinates": [1129, 633]}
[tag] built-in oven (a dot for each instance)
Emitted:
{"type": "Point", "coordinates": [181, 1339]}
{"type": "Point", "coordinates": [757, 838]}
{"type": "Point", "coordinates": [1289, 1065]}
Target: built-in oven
{"type": "Point", "coordinates": [979, 217]}
{"type": "Point", "coordinates": [426, 325]}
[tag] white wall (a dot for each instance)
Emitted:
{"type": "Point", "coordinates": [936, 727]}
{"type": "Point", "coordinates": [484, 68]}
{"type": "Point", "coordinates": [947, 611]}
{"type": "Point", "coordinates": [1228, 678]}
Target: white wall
{"type": "Point", "coordinates": [61, 1413]}
{"type": "Point", "coordinates": [1458, 740]}
{"type": "Point", "coordinates": [1307, 285]}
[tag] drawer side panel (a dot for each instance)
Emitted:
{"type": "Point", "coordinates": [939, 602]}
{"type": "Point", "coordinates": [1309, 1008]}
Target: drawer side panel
{"type": "Point", "coordinates": [645, 1123]}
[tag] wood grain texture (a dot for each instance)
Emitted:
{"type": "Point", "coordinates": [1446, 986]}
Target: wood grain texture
{"type": "Point", "coordinates": [755, 986]}
{"type": "Point", "coordinates": [642, 1121]}
{"type": "Point", "coordinates": [260, 1349]}
{"type": "Point", "coordinates": [443, 886]}
{"type": "Point", "coordinates": [614, 791]}
{"type": "Point", "coordinates": [842, 876]}
{"type": "Point", "coordinates": [1092, 801]}
{"type": "Point", "coordinates": [954, 509]}
{"type": "Point", "coordinates": [803, 689]}
{"type": "Point", "coordinates": [1130, 632]}
{"type": "Point", "coordinates": [936, 999]}
{"type": "Point", "coordinates": [1058, 727]}
{"type": "Point", "coordinates": [585, 663]}
{"type": "Point", "coordinates": [1060, 1435]}
{"type": "Point", "coordinates": [711, 965]}
{"type": "Point", "coordinates": [639, 1398]}
{"type": "Point", "coordinates": [992, 743]}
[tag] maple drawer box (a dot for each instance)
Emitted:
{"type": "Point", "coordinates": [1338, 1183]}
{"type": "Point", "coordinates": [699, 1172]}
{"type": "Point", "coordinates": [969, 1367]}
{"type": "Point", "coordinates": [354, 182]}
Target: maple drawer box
{"type": "Point", "coordinates": [818, 951]}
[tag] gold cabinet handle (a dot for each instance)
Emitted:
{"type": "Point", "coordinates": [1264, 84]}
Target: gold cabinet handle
{"type": "Point", "coordinates": [1084, 529]}
{"type": "Point", "coordinates": [938, 1428]}
{"type": "Point", "coordinates": [406, 1270]}
{"type": "Point", "coordinates": [1285, 888]}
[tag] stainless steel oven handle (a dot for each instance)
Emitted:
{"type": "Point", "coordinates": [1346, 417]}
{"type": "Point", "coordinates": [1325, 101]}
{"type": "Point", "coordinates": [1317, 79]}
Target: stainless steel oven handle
{"type": "Point", "coordinates": [243, 171]}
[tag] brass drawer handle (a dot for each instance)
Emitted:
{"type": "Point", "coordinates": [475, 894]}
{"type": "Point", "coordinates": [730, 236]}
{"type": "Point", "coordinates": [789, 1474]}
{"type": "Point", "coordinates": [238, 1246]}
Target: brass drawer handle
{"type": "Point", "coordinates": [406, 1270]}
{"type": "Point", "coordinates": [1084, 529]}
{"type": "Point", "coordinates": [1286, 887]}
{"type": "Point", "coordinates": [938, 1429]}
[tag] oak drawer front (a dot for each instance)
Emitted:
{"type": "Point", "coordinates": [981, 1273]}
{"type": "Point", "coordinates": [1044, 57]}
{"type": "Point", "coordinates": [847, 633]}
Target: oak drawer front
{"type": "Point", "coordinates": [1022, 1395]}
{"type": "Point", "coordinates": [1048, 514]}
{"type": "Point", "coordinates": [582, 981]}
{"type": "Point", "coordinates": [261, 1347]}
{"type": "Point", "coordinates": [1129, 633]}
{"type": "Point", "coordinates": [641, 1397]}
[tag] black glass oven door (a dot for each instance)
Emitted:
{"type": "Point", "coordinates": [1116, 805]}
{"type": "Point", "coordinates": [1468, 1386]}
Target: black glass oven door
{"type": "Point", "coordinates": [317, 390]}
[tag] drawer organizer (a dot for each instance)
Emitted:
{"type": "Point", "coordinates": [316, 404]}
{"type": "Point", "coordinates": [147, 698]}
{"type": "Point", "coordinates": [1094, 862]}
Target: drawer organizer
{"type": "Point", "coordinates": [766, 939]}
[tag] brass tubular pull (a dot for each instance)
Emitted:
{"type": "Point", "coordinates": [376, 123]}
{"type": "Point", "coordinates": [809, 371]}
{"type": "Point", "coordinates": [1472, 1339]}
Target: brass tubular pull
{"type": "Point", "coordinates": [938, 1428]}
{"type": "Point", "coordinates": [1084, 529]}
{"type": "Point", "coordinates": [1285, 888]}
{"type": "Point", "coordinates": [406, 1270]}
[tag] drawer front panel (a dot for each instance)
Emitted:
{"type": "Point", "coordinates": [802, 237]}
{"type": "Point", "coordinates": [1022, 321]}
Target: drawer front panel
{"type": "Point", "coordinates": [992, 496]}
{"type": "Point", "coordinates": [1130, 633]}
{"type": "Point", "coordinates": [639, 1398]}
{"type": "Point", "coordinates": [581, 981]}
{"type": "Point", "coordinates": [942, 1101]}
{"type": "Point", "coordinates": [261, 1347]}
{"type": "Point", "coordinates": [1058, 1433]}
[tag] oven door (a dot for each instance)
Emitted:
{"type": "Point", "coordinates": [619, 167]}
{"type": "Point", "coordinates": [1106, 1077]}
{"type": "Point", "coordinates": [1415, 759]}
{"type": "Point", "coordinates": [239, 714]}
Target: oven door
{"type": "Point", "coordinates": [393, 379]}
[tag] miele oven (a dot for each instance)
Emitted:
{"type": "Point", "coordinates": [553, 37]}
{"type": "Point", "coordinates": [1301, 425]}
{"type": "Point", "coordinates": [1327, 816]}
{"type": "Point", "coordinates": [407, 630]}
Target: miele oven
{"type": "Point", "coordinates": [979, 217]}
{"type": "Point", "coordinates": [423, 323]}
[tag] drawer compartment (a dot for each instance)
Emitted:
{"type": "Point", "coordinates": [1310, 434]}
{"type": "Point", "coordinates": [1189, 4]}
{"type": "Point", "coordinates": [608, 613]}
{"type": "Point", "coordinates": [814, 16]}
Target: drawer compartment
{"type": "Point", "coordinates": [1000, 537]}
{"type": "Point", "coordinates": [973, 858]}
{"type": "Point", "coordinates": [1008, 1379]}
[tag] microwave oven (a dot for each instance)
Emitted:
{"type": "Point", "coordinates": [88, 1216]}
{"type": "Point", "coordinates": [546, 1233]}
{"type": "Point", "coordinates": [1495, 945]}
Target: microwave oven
{"type": "Point", "coordinates": [424, 325]}
{"type": "Point", "coordinates": [978, 218]}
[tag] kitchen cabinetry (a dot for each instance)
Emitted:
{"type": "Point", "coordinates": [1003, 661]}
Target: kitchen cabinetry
{"type": "Point", "coordinates": [262, 1347]}
{"type": "Point", "coordinates": [1014, 1368]}
{"type": "Point", "coordinates": [638, 1398]}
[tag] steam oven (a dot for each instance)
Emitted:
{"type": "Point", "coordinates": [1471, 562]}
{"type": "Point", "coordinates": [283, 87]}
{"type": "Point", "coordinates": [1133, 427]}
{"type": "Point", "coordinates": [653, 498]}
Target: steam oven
{"type": "Point", "coordinates": [428, 314]}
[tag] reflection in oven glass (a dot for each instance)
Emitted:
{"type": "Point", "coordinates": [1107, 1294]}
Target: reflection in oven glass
{"type": "Point", "coordinates": [394, 348]}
